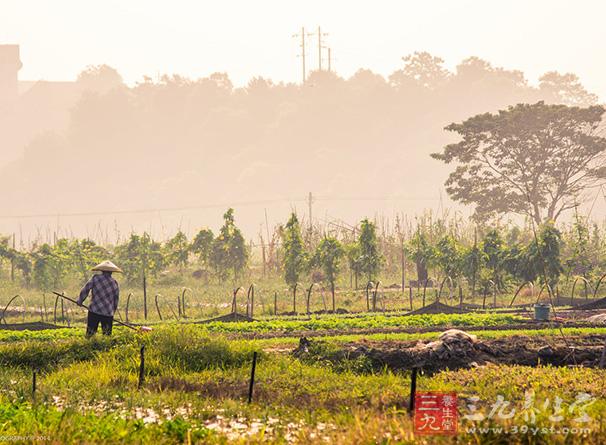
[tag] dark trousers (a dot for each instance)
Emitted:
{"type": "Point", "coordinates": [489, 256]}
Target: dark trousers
{"type": "Point", "coordinates": [93, 323]}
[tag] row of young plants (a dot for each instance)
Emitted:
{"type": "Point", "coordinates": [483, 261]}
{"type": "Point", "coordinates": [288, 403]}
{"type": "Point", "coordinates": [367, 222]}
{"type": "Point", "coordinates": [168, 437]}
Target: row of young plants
{"type": "Point", "coordinates": [482, 259]}
{"type": "Point", "coordinates": [314, 323]}
{"type": "Point", "coordinates": [48, 267]}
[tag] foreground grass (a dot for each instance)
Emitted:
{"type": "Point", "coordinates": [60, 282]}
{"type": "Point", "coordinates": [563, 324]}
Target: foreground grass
{"type": "Point", "coordinates": [196, 387]}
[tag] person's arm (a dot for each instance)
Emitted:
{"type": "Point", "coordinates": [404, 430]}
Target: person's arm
{"type": "Point", "coordinates": [85, 290]}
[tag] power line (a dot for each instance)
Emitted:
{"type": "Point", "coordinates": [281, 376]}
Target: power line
{"type": "Point", "coordinates": [374, 198]}
{"type": "Point", "coordinates": [139, 211]}
{"type": "Point", "coordinates": [309, 200]}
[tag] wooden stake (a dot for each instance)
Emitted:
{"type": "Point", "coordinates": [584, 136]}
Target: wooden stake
{"type": "Point", "coordinates": [413, 391]}
{"type": "Point", "coordinates": [34, 385]}
{"type": "Point", "coordinates": [252, 377]}
{"type": "Point", "coordinates": [144, 297]}
{"type": "Point", "coordinates": [142, 368]}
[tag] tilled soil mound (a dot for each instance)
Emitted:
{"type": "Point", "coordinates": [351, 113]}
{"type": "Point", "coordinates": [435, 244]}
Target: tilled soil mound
{"type": "Point", "coordinates": [596, 304]}
{"type": "Point", "coordinates": [456, 349]}
{"type": "Point", "coordinates": [33, 326]}
{"type": "Point", "coordinates": [229, 318]}
{"type": "Point", "coordinates": [438, 308]}
{"type": "Point", "coordinates": [577, 302]}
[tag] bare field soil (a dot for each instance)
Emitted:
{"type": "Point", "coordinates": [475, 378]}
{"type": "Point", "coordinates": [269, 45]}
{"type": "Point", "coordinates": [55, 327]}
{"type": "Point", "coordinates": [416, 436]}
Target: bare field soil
{"type": "Point", "coordinates": [466, 352]}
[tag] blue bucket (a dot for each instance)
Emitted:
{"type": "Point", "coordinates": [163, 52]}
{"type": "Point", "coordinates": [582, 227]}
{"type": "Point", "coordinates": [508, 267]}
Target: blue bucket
{"type": "Point", "coordinates": [541, 311]}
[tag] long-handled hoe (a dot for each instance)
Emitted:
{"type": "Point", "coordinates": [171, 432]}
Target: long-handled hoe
{"type": "Point", "coordinates": [130, 326]}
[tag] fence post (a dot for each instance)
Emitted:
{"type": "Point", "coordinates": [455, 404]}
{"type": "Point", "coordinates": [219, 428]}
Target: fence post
{"type": "Point", "coordinates": [413, 391]}
{"type": "Point", "coordinates": [252, 377]}
{"type": "Point", "coordinates": [142, 368]}
{"type": "Point", "coordinates": [34, 385]}
{"type": "Point", "coordinates": [144, 297]}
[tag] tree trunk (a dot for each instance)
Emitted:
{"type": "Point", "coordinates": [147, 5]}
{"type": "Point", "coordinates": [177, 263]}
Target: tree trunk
{"type": "Point", "coordinates": [144, 296]}
{"type": "Point", "coordinates": [421, 272]}
{"type": "Point", "coordinates": [403, 269]}
{"type": "Point", "coordinates": [332, 290]}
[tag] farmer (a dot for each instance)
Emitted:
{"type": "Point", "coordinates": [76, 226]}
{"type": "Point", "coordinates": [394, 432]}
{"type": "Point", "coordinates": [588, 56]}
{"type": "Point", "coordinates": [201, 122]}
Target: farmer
{"type": "Point", "coordinates": [104, 298]}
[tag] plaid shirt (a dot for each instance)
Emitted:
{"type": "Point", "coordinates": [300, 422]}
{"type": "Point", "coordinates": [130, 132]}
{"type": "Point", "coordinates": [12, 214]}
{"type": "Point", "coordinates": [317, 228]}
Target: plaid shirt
{"type": "Point", "coordinates": [105, 294]}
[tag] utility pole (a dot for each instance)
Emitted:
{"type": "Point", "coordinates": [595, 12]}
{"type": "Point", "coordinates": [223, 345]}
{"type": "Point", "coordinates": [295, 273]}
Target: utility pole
{"type": "Point", "coordinates": [302, 55]}
{"type": "Point", "coordinates": [303, 51]}
{"type": "Point", "coordinates": [320, 48]}
{"type": "Point", "coordinates": [329, 61]}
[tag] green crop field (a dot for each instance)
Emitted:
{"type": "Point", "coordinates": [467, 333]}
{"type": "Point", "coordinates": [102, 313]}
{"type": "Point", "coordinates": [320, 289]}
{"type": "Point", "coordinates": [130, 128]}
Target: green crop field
{"type": "Point", "coordinates": [196, 382]}
{"type": "Point", "coordinates": [338, 340]}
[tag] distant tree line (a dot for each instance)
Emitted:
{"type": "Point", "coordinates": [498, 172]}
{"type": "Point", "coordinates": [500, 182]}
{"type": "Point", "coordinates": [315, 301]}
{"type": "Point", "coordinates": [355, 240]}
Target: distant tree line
{"type": "Point", "coordinates": [537, 160]}
{"type": "Point", "coordinates": [178, 138]}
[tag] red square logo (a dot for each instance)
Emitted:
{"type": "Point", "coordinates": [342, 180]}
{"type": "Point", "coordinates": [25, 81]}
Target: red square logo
{"type": "Point", "coordinates": [436, 412]}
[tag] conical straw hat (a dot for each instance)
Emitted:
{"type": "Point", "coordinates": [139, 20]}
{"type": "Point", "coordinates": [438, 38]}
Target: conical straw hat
{"type": "Point", "coordinates": [107, 266]}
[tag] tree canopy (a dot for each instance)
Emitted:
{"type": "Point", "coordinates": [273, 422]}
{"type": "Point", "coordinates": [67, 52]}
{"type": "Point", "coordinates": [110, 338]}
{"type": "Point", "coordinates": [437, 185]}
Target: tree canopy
{"type": "Point", "coordinates": [536, 160]}
{"type": "Point", "coordinates": [186, 133]}
{"type": "Point", "coordinates": [229, 253]}
{"type": "Point", "coordinates": [295, 257]}
{"type": "Point", "coordinates": [370, 256]}
{"type": "Point", "coordinates": [328, 256]}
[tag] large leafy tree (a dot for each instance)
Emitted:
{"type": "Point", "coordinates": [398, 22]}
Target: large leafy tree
{"type": "Point", "coordinates": [229, 253]}
{"type": "Point", "coordinates": [423, 69]}
{"type": "Point", "coordinates": [86, 253]}
{"type": "Point", "coordinates": [535, 160]}
{"type": "Point", "coordinates": [52, 264]}
{"type": "Point", "coordinates": [328, 256]}
{"type": "Point", "coordinates": [540, 260]}
{"type": "Point", "coordinates": [546, 254]}
{"type": "Point", "coordinates": [295, 257]}
{"type": "Point", "coordinates": [354, 261]}
{"type": "Point", "coordinates": [473, 261]}
{"type": "Point", "coordinates": [370, 257]}
{"type": "Point", "coordinates": [139, 256]}
{"type": "Point", "coordinates": [48, 269]}
{"type": "Point", "coordinates": [495, 250]}
{"type": "Point", "coordinates": [449, 256]}
{"type": "Point", "coordinates": [177, 250]}
{"type": "Point", "coordinates": [21, 260]}
{"type": "Point", "coordinates": [565, 89]}
{"type": "Point", "coordinates": [202, 245]}
{"type": "Point", "coordinates": [422, 253]}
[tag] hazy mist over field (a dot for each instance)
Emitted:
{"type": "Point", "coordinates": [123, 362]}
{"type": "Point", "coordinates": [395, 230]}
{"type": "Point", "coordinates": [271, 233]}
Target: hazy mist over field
{"type": "Point", "coordinates": [177, 124]}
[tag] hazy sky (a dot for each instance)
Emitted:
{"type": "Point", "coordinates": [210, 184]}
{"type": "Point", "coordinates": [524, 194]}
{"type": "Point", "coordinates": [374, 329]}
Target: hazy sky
{"type": "Point", "coordinates": [248, 38]}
